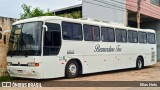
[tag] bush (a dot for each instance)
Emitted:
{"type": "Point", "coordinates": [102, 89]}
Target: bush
{"type": "Point", "coordinates": [6, 78]}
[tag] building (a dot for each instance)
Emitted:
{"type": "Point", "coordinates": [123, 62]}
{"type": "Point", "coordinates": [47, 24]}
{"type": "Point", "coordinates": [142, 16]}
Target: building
{"type": "Point", "coordinates": [150, 17]}
{"type": "Point", "coordinates": [6, 22]}
{"type": "Point", "coordinates": [149, 10]}
{"type": "Point", "coordinates": [102, 8]}
{"type": "Point", "coordinates": [69, 9]}
{"type": "Point", "coordinates": [5, 25]}
{"type": "Point", "coordinates": [120, 11]}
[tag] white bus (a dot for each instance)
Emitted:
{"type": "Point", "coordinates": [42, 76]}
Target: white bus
{"type": "Point", "coordinates": [52, 47]}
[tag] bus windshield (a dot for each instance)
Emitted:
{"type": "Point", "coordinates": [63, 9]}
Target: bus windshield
{"type": "Point", "coordinates": [25, 39]}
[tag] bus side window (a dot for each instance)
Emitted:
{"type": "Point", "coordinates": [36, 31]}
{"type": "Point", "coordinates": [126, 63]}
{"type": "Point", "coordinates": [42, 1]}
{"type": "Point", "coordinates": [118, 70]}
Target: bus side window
{"type": "Point", "coordinates": [142, 37]}
{"type": "Point", "coordinates": [107, 34]}
{"type": "Point", "coordinates": [67, 33]}
{"type": "Point", "coordinates": [96, 33]}
{"type": "Point", "coordinates": [53, 26]}
{"type": "Point", "coordinates": [124, 36]}
{"type": "Point", "coordinates": [77, 32]}
{"type": "Point", "coordinates": [104, 34]}
{"type": "Point", "coordinates": [87, 33]}
{"type": "Point", "coordinates": [72, 31]}
{"type": "Point", "coordinates": [121, 35]}
{"type": "Point", "coordinates": [151, 38]}
{"type": "Point", "coordinates": [135, 36]}
{"type": "Point", "coordinates": [52, 39]}
{"type": "Point", "coordinates": [132, 36]}
{"type": "Point", "coordinates": [91, 33]}
{"type": "Point", "coordinates": [111, 35]}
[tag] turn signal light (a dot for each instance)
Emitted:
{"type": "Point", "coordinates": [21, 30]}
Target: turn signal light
{"type": "Point", "coordinates": [9, 63]}
{"type": "Point", "coordinates": [33, 64]}
{"type": "Point", "coordinates": [36, 64]}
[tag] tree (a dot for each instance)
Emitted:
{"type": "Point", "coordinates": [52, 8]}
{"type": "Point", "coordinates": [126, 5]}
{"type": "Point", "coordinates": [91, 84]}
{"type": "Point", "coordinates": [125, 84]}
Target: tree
{"type": "Point", "coordinates": [74, 14]}
{"type": "Point", "coordinates": [35, 12]}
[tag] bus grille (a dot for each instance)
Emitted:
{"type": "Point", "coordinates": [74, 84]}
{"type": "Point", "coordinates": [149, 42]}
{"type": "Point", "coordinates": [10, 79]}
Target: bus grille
{"type": "Point", "coordinates": [19, 64]}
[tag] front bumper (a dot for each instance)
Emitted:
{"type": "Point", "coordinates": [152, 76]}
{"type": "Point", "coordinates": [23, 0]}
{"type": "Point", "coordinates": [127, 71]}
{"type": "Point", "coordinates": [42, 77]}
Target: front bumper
{"type": "Point", "coordinates": [25, 72]}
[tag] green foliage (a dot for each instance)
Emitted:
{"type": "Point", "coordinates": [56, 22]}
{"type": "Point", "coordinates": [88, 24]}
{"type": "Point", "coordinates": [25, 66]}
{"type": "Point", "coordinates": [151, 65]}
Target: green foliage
{"type": "Point", "coordinates": [29, 12]}
{"type": "Point", "coordinates": [6, 78]}
{"type": "Point", "coordinates": [48, 13]}
{"type": "Point", "coordinates": [75, 14]}
{"type": "Point", "coordinates": [35, 12]}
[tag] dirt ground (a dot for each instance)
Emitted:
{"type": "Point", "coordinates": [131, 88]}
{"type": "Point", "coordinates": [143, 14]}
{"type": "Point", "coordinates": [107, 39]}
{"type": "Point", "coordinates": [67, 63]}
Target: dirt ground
{"type": "Point", "coordinates": [151, 73]}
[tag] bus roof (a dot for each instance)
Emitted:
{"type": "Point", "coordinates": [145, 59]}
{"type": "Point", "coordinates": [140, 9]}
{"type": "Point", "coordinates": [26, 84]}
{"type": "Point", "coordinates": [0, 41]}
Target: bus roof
{"type": "Point", "coordinates": [84, 21]}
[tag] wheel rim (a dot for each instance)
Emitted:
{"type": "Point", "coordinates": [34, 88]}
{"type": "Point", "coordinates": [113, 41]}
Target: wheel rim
{"type": "Point", "coordinates": [139, 64]}
{"type": "Point", "coordinates": [72, 69]}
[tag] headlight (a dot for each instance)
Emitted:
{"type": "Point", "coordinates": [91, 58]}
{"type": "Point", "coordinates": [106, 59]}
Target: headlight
{"type": "Point", "coordinates": [9, 63]}
{"type": "Point", "coordinates": [33, 64]}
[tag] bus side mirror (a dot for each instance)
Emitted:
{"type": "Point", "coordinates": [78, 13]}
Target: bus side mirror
{"type": "Point", "coordinates": [4, 39]}
{"type": "Point", "coordinates": [0, 35]}
{"type": "Point", "coordinates": [45, 27]}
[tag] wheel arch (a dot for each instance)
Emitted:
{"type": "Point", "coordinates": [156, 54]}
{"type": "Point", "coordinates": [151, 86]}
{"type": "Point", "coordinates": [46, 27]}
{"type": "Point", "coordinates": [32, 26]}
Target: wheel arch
{"type": "Point", "coordinates": [141, 56]}
{"type": "Point", "coordinates": [79, 64]}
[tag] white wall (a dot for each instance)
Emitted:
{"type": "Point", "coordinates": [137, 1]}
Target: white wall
{"type": "Point", "coordinates": [107, 10]}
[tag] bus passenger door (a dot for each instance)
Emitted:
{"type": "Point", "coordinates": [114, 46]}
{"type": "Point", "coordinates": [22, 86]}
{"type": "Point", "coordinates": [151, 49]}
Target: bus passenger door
{"type": "Point", "coordinates": [51, 48]}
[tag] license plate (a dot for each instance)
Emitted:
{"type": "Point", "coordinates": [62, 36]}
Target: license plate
{"type": "Point", "coordinates": [20, 71]}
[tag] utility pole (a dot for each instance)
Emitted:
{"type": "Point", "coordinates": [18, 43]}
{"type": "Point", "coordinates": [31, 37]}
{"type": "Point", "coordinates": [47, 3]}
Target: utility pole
{"type": "Point", "coordinates": [126, 18]}
{"type": "Point", "coordinates": [138, 13]}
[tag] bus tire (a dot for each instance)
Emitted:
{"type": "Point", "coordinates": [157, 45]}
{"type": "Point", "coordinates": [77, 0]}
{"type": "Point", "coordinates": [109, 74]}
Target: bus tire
{"type": "Point", "coordinates": [72, 69]}
{"type": "Point", "coordinates": [139, 63]}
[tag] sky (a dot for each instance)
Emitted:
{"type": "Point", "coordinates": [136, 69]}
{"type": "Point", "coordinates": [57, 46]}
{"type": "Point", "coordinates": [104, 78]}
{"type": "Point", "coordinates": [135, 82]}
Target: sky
{"type": "Point", "coordinates": [12, 8]}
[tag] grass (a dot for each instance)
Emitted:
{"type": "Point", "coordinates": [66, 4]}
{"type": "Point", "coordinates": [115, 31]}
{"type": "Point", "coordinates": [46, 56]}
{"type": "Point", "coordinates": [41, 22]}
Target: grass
{"type": "Point", "coordinates": [6, 78]}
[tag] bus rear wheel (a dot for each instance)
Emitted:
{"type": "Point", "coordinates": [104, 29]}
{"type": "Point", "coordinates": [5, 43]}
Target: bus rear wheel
{"type": "Point", "coordinates": [72, 69]}
{"type": "Point", "coordinates": [139, 63]}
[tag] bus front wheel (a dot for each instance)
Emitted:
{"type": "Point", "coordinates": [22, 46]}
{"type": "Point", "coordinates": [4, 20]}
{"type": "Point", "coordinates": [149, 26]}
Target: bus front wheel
{"type": "Point", "coordinates": [139, 63]}
{"type": "Point", "coordinates": [72, 69]}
